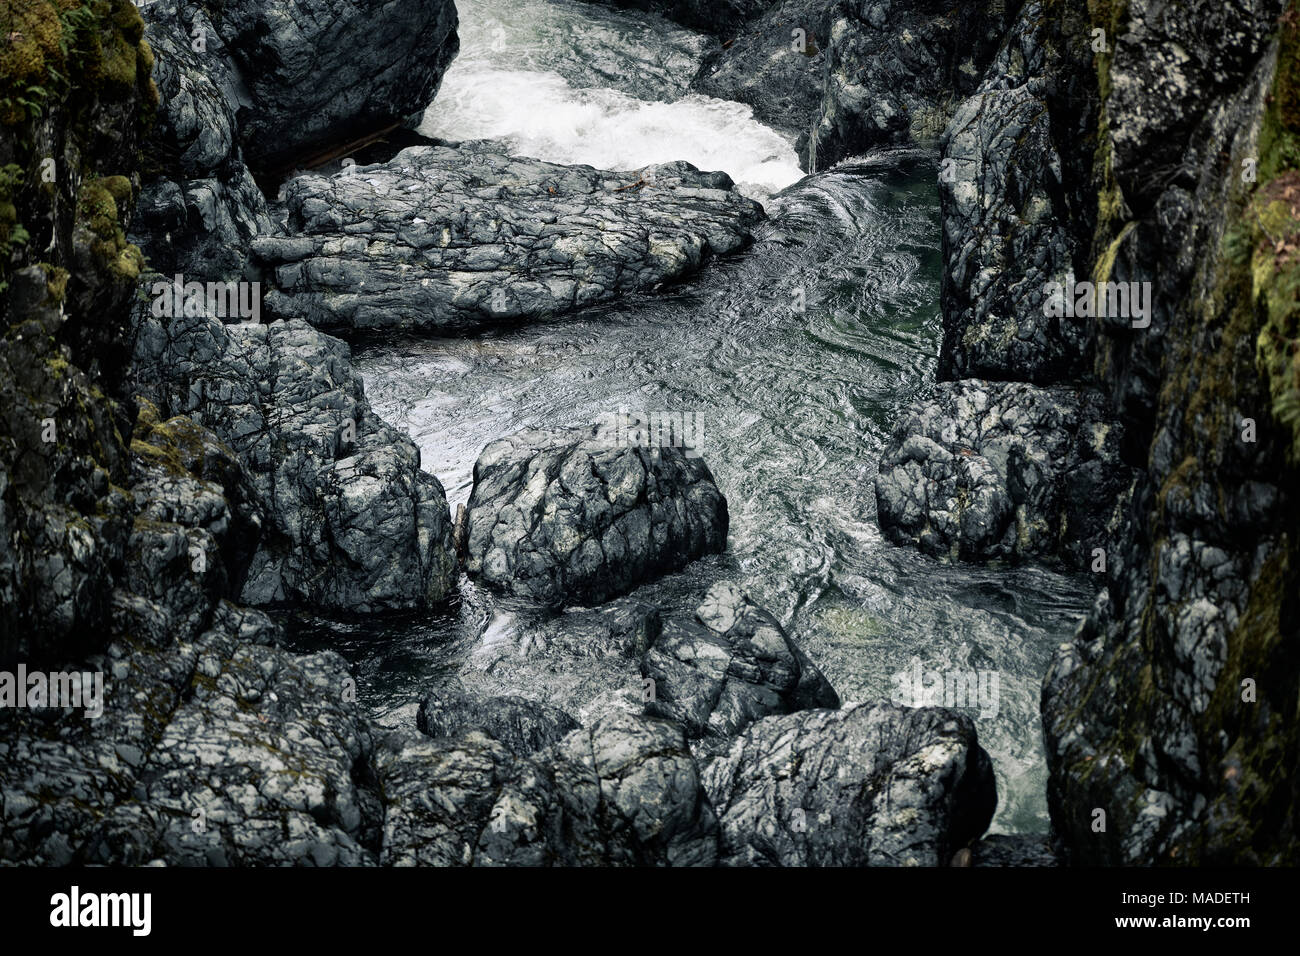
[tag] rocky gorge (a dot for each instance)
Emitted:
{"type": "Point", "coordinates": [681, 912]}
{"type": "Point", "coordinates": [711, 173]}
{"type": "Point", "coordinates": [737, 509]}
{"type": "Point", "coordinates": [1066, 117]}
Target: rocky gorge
{"type": "Point", "coordinates": [374, 581]}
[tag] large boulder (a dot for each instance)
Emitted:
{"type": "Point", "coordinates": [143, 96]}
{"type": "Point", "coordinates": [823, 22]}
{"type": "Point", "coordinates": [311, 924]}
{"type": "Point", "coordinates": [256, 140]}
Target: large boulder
{"type": "Point", "coordinates": [352, 523]}
{"type": "Point", "coordinates": [322, 73]}
{"type": "Point", "coordinates": [625, 792]}
{"type": "Point", "coordinates": [730, 665]}
{"type": "Point", "coordinates": [1005, 470]}
{"type": "Point", "coordinates": [581, 516]}
{"type": "Point", "coordinates": [443, 238]}
{"type": "Point", "coordinates": [864, 786]}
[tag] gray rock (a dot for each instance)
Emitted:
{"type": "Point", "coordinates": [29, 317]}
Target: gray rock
{"type": "Point", "coordinates": [577, 517]}
{"type": "Point", "coordinates": [199, 207]}
{"type": "Point", "coordinates": [322, 73]}
{"type": "Point", "coordinates": [862, 74]}
{"type": "Point", "coordinates": [523, 725]}
{"type": "Point", "coordinates": [729, 666]}
{"type": "Point", "coordinates": [1007, 223]}
{"type": "Point", "coordinates": [444, 239]}
{"type": "Point", "coordinates": [1004, 470]}
{"type": "Point", "coordinates": [352, 523]}
{"type": "Point", "coordinates": [625, 792]}
{"type": "Point", "coordinates": [865, 786]}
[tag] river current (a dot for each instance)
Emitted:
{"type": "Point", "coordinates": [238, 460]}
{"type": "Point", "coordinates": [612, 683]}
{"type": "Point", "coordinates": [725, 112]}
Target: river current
{"type": "Point", "coordinates": [797, 355]}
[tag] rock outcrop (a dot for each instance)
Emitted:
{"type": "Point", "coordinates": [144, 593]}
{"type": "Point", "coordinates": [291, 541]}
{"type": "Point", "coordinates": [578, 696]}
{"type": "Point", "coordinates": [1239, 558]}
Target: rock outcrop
{"type": "Point", "coordinates": [445, 239]}
{"type": "Point", "coordinates": [624, 792]}
{"type": "Point", "coordinates": [1005, 470]}
{"type": "Point", "coordinates": [730, 665]}
{"type": "Point", "coordinates": [352, 523]}
{"type": "Point", "coordinates": [847, 76]}
{"type": "Point", "coordinates": [317, 74]}
{"type": "Point", "coordinates": [864, 786]}
{"type": "Point", "coordinates": [581, 516]}
{"type": "Point", "coordinates": [200, 206]}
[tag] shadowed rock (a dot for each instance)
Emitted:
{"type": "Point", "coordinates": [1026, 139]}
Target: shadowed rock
{"type": "Point", "coordinates": [729, 666]}
{"type": "Point", "coordinates": [1004, 470]}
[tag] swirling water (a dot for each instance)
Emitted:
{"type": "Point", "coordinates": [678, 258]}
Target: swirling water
{"type": "Point", "coordinates": [799, 355]}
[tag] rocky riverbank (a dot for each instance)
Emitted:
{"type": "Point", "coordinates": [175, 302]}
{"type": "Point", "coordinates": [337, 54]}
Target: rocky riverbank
{"type": "Point", "coordinates": [172, 480]}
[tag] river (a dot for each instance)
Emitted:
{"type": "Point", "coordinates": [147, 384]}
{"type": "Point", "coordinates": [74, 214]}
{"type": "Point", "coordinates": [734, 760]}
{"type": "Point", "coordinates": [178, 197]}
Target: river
{"type": "Point", "coordinates": [798, 355]}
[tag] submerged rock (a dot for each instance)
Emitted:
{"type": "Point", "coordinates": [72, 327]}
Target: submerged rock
{"type": "Point", "coordinates": [864, 786]}
{"type": "Point", "coordinates": [577, 517]}
{"type": "Point", "coordinates": [1004, 470]}
{"type": "Point", "coordinates": [625, 792]}
{"type": "Point", "coordinates": [729, 666]}
{"type": "Point", "coordinates": [444, 238]}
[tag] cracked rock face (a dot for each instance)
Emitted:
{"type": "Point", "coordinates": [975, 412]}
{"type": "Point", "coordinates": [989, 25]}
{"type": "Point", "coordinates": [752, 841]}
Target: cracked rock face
{"type": "Point", "coordinates": [624, 792]}
{"type": "Point", "coordinates": [1004, 470]}
{"type": "Point", "coordinates": [199, 207]}
{"type": "Point", "coordinates": [865, 786]}
{"type": "Point", "coordinates": [1011, 224]}
{"type": "Point", "coordinates": [352, 523]}
{"type": "Point", "coordinates": [861, 74]}
{"type": "Point", "coordinates": [523, 725]}
{"type": "Point", "coordinates": [317, 73]}
{"type": "Point", "coordinates": [443, 238]}
{"type": "Point", "coordinates": [576, 518]}
{"type": "Point", "coordinates": [729, 666]}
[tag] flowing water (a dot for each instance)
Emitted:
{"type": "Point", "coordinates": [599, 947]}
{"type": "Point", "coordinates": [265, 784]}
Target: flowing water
{"type": "Point", "coordinates": [799, 356]}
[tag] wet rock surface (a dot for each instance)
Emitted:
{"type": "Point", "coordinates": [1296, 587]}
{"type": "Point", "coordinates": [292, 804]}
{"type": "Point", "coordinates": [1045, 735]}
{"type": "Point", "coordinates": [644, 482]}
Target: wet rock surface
{"type": "Point", "coordinates": [352, 523]}
{"type": "Point", "coordinates": [730, 665]}
{"type": "Point", "coordinates": [1004, 470]}
{"type": "Point", "coordinates": [319, 73]}
{"type": "Point", "coordinates": [859, 74]}
{"type": "Point", "coordinates": [624, 792]}
{"type": "Point", "coordinates": [522, 725]}
{"type": "Point", "coordinates": [581, 516]}
{"type": "Point", "coordinates": [446, 239]}
{"type": "Point", "coordinates": [863, 786]}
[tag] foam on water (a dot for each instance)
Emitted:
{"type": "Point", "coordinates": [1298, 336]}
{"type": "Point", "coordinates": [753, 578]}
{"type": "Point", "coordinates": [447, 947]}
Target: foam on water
{"type": "Point", "coordinates": [575, 84]}
{"type": "Point", "coordinates": [541, 115]}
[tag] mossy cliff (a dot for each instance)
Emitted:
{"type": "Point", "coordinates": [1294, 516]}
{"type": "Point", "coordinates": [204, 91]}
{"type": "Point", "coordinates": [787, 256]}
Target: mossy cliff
{"type": "Point", "coordinates": [1170, 720]}
{"type": "Point", "coordinates": [75, 100]}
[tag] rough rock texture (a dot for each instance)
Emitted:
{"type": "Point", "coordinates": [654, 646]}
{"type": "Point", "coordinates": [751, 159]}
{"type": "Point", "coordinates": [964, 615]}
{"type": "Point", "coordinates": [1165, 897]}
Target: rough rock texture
{"type": "Point", "coordinates": [863, 74]}
{"type": "Point", "coordinates": [1014, 214]}
{"type": "Point", "coordinates": [1173, 711]}
{"type": "Point", "coordinates": [729, 666]}
{"type": "Point", "coordinates": [523, 725]}
{"type": "Point", "coordinates": [213, 746]}
{"type": "Point", "coordinates": [444, 238]}
{"type": "Point", "coordinates": [864, 786]}
{"type": "Point", "coordinates": [320, 73]}
{"type": "Point", "coordinates": [1005, 470]}
{"type": "Point", "coordinates": [624, 792]}
{"type": "Point", "coordinates": [352, 523]}
{"type": "Point", "coordinates": [713, 16]}
{"type": "Point", "coordinates": [200, 206]}
{"type": "Point", "coordinates": [67, 181]}
{"type": "Point", "coordinates": [575, 517]}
